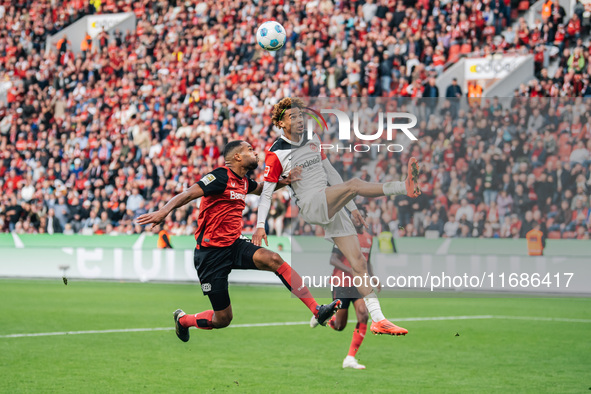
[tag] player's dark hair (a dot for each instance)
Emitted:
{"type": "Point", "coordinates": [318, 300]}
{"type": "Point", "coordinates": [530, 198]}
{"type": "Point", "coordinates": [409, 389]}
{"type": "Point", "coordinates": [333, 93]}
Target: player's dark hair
{"type": "Point", "coordinates": [230, 148]}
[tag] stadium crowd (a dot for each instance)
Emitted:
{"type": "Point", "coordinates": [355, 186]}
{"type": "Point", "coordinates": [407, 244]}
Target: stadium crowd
{"type": "Point", "coordinates": [90, 141]}
{"type": "Point", "coordinates": [491, 168]}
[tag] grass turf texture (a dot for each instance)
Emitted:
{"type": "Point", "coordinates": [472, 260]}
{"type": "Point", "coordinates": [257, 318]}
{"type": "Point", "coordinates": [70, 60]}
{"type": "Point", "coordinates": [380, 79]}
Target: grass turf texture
{"type": "Point", "coordinates": [491, 355]}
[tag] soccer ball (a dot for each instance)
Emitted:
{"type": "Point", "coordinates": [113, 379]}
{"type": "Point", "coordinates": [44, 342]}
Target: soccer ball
{"type": "Point", "coordinates": [271, 36]}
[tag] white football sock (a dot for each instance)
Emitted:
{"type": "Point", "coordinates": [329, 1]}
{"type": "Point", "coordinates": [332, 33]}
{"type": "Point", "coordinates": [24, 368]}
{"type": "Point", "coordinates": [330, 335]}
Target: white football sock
{"type": "Point", "coordinates": [394, 188]}
{"type": "Point", "coordinates": [373, 307]}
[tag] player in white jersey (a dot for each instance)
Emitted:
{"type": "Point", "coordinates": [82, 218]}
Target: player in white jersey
{"type": "Point", "coordinates": [322, 196]}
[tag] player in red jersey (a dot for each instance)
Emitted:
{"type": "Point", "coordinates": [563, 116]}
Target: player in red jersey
{"type": "Point", "coordinates": [220, 247]}
{"type": "Point", "coordinates": [342, 279]}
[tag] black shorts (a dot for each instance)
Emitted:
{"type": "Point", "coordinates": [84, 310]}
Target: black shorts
{"type": "Point", "coordinates": [347, 295]}
{"type": "Point", "coordinates": [213, 264]}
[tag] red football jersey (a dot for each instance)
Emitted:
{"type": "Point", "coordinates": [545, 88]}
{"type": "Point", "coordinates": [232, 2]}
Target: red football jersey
{"type": "Point", "coordinates": [220, 212]}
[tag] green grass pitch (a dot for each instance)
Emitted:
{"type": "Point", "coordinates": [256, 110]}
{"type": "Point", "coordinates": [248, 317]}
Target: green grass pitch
{"type": "Point", "coordinates": [496, 354]}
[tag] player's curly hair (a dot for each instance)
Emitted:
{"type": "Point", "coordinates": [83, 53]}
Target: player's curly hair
{"type": "Point", "coordinates": [282, 106]}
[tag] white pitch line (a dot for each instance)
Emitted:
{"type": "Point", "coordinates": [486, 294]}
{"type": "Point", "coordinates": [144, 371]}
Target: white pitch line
{"type": "Point", "coordinates": [443, 318]}
{"type": "Point", "coordinates": [559, 319]}
{"type": "Point", "coordinates": [139, 242]}
{"type": "Point", "coordinates": [18, 243]}
{"type": "Point", "coordinates": [293, 323]}
{"type": "Point", "coordinates": [48, 334]}
{"type": "Point", "coordinates": [295, 246]}
{"type": "Point", "coordinates": [300, 323]}
{"type": "Point", "coordinates": [443, 247]}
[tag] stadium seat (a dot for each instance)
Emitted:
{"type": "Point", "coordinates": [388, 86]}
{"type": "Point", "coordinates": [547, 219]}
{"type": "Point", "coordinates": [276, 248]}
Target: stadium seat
{"type": "Point", "coordinates": [453, 209]}
{"type": "Point", "coordinates": [466, 48]}
{"type": "Point", "coordinates": [569, 235]}
{"type": "Point", "coordinates": [454, 54]}
{"type": "Point", "coordinates": [552, 159]}
{"type": "Point", "coordinates": [554, 235]}
{"type": "Point", "coordinates": [523, 5]}
{"type": "Point", "coordinates": [514, 14]}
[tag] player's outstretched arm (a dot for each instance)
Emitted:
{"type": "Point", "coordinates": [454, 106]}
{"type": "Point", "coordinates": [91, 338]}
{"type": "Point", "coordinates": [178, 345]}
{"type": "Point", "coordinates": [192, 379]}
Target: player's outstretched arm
{"type": "Point", "coordinates": [292, 177]}
{"type": "Point", "coordinates": [177, 201]}
{"type": "Point", "coordinates": [263, 212]}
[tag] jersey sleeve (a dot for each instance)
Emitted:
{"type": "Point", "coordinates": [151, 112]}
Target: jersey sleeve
{"type": "Point", "coordinates": [252, 185]}
{"type": "Point", "coordinates": [316, 139]}
{"type": "Point", "coordinates": [273, 168]}
{"type": "Point", "coordinates": [215, 182]}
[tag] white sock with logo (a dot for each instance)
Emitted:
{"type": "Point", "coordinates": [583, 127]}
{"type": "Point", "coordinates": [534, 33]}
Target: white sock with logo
{"type": "Point", "coordinates": [394, 188]}
{"type": "Point", "coordinates": [373, 307]}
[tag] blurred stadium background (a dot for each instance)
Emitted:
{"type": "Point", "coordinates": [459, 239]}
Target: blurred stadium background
{"type": "Point", "coordinates": [109, 108]}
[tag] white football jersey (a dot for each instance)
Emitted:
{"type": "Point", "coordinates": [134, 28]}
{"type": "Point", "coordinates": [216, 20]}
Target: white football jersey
{"type": "Point", "coordinates": [285, 155]}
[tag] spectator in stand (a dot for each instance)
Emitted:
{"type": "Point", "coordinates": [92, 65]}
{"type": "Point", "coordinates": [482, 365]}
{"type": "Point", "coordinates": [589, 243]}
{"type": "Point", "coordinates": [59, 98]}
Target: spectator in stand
{"type": "Point", "coordinates": [52, 224]}
{"type": "Point", "coordinates": [451, 228]}
{"type": "Point", "coordinates": [453, 90]}
{"type": "Point", "coordinates": [580, 154]}
{"type": "Point", "coordinates": [135, 200]}
{"type": "Point", "coordinates": [465, 211]}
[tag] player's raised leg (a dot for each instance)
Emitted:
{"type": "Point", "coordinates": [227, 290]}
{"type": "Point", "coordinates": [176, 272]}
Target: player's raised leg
{"type": "Point", "coordinates": [339, 321]}
{"type": "Point", "coordinates": [218, 317]}
{"type": "Point", "coordinates": [337, 196]}
{"type": "Point", "coordinates": [270, 261]}
{"type": "Point", "coordinates": [349, 246]}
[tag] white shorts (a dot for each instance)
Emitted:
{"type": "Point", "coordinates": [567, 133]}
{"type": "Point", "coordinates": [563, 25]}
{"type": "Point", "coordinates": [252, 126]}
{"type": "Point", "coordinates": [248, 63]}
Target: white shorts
{"type": "Point", "coordinates": [314, 210]}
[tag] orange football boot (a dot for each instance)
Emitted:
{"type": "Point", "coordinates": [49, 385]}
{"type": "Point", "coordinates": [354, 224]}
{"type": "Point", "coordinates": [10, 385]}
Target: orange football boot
{"type": "Point", "coordinates": [385, 327]}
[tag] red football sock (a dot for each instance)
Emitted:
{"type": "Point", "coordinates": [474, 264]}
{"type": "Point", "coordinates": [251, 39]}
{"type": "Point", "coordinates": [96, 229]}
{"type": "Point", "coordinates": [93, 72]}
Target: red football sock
{"type": "Point", "coordinates": [358, 335]}
{"type": "Point", "coordinates": [292, 280]}
{"type": "Point", "coordinates": [201, 320]}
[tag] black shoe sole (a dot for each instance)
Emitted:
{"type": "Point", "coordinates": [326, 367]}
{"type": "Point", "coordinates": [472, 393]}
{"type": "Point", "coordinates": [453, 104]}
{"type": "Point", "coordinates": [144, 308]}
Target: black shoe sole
{"type": "Point", "coordinates": [325, 312]}
{"type": "Point", "coordinates": [181, 332]}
